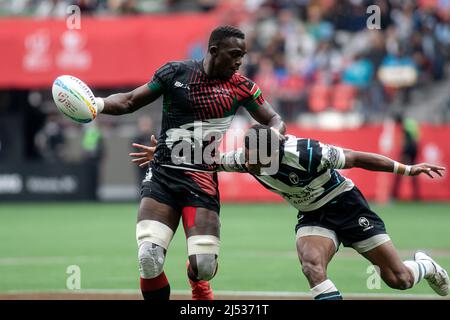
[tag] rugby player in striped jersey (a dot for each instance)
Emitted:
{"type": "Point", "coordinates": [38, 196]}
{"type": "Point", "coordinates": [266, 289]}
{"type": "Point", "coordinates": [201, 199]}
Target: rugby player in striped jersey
{"type": "Point", "coordinates": [331, 208]}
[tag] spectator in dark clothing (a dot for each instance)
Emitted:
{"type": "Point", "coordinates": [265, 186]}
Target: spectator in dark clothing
{"type": "Point", "coordinates": [409, 151]}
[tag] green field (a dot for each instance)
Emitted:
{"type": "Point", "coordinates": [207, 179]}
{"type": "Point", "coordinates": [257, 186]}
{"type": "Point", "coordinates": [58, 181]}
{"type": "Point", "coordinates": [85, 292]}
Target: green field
{"type": "Point", "coordinates": [39, 241]}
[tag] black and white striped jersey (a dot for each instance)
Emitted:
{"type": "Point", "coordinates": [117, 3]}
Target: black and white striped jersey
{"type": "Point", "coordinates": [306, 178]}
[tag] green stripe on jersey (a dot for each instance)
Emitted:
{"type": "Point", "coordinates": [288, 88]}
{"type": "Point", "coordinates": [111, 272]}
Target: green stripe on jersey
{"type": "Point", "coordinates": [257, 94]}
{"type": "Point", "coordinates": [155, 86]}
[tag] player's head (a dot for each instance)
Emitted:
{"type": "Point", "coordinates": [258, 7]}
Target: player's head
{"type": "Point", "coordinates": [262, 150]}
{"type": "Point", "coordinates": [226, 48]}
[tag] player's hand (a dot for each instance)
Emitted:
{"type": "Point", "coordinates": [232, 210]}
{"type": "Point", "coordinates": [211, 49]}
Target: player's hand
{"type": "Point", "coordinates": [426, 169]}
{"type": "Point", "coordinates": [143, 158]}
{"type": "Point", "coordinates": [277, 132]}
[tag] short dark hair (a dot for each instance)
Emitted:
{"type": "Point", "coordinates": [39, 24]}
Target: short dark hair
{"type": "Point", "coordinates": [261, 131]}
{"type": "Point", "coordinates": [223, 32]}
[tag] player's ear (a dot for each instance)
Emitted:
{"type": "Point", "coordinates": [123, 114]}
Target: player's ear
{"type": "Point", "coordinates": [213, 50]}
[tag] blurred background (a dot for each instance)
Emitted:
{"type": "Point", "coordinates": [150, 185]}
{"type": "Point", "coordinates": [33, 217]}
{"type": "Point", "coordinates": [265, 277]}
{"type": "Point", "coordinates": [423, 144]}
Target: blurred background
{"type": "Point", "coordinates": [332, 70]}
{"type": "Point", "coordinates": [367, 75]}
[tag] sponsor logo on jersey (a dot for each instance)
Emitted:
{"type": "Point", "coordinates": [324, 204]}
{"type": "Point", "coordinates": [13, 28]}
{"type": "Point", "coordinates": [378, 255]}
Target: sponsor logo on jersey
{"type": "Point", "coordinates": [293, 178]}
{"type": "Point", "coordinates": [148, 175]}
{"type": "Point", "coordinates": [178, 84]}
{"type": "Point", "coordinates": [363, 222]}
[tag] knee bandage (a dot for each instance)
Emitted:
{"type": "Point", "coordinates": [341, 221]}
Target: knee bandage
{"type": "Point", "coordinates": [154, 232]}
{"type": "Point", "coordinates": [206, 266]}
{"type": "Point", "coordinates": [204, 244]}
{"type": "Point", "coordinates": [153, 239]}
{"type": "Point", "coordinates": [151, 260]}
{"type": "Point", "coordinates": [206, 249]}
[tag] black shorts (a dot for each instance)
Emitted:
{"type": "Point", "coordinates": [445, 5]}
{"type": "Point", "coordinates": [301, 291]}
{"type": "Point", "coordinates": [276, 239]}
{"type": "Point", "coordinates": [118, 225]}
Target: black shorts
{"type": "Point", "coordinates": [347, 219]}
{"type": "Point", "coordinates": [180, 188]}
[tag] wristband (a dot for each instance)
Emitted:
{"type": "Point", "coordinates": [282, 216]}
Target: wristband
{"type": "Point", "coordinates": [396, 165]}
{"type": "Point", "coordinates": [100, 104]}
{"type": "Point", "coordinates": [407, 170]}
{"type": "Point", "coordinates": [401, 169]}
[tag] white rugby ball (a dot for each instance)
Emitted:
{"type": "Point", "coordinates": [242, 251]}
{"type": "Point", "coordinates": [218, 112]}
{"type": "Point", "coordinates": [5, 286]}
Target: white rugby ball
{"type": "Point", "coordinates": [74, 98]}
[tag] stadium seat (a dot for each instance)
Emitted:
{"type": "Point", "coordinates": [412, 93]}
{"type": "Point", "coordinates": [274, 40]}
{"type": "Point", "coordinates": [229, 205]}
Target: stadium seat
{"type": "Point", "coordinates": [343, 97]}
{"type": "Point", "coordinates": [319, 97]}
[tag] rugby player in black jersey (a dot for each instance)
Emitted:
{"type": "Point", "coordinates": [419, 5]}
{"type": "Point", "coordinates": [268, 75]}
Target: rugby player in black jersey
{"type": "Point", "coordinates": [198, 96]}
{"type": "Point", "coordinates": [332, 210]}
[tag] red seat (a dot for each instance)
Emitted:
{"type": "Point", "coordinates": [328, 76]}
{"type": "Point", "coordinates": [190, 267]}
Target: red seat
{"type": "Point", "coordinates": [319, 97]}
{"type": "Point", "coordinates": [344, 97]}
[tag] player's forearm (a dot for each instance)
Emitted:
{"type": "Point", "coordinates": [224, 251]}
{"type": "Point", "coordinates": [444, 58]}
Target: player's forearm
{"type": "Point", "coordinates": [277, 124]}
{"type": "Point", "coordinates": [232, 161]}
{"type": "Point", "coordinates": [374, 162]}
{"type": "Point", "coordinates": [117, 104]}
{"type": "Point", "coordinates": [121, 103]}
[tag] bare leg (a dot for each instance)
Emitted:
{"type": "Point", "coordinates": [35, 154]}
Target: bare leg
{"type": "Point", "coordinates": [156, 224]}
{"type": "Point", "coordinates": [315, 252]}
{"type": "Point", "coordinates": [202, 228]}
{"type": "Point", "coordinates": [392, 269]}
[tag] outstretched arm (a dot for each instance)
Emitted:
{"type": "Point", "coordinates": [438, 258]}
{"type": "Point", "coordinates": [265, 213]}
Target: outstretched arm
{"type": "Point", "coordinates": [121, 103]}
{"type": "Point", "coordinates": [377, 162]}
{"type": "Point", "coordinates": [232, 161]}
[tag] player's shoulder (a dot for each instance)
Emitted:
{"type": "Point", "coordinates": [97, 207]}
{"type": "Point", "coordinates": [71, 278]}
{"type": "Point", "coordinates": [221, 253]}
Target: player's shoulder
{"type": "Point", "coordinates": [294, 144]}
{"type": "Point", "coordinates": [238, 78]}
{"type": "Point", "coordinates": [245, 84]}
{"type": "Point", "coordinates": [178, 65]}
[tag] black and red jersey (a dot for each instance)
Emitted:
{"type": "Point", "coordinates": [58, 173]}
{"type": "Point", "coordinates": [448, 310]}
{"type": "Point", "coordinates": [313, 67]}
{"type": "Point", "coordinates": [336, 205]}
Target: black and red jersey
{"type": "Point", "coordinates": [196, 111]}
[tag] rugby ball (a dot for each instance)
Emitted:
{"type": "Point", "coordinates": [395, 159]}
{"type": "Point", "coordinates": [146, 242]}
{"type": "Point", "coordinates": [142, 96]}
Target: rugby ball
{"type": "Point", "coordinates": [74, 98]}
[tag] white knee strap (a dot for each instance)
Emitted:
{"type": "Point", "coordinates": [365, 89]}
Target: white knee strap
{"type": "Point", "coordinates": [203, 244]}
{"type": "Point", "coordinates": [154, 232]}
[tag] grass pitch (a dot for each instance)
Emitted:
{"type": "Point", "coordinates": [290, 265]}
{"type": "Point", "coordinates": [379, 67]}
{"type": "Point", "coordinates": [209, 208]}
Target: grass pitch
{"type": "Point", "coordinates": [38, 242]}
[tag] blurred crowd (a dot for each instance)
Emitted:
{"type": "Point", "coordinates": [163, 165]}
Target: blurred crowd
{"type": "Point", "coordinates": [336, 55]}
{"type": "Point", "coordinates": [57, 8]}
{"type": "Point", "coordinates": [313, 55]}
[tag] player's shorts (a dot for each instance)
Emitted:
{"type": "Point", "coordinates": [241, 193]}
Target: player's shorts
{"type": "Point", "coordinates": [347, 219]}
{"type": "Point", "coordinates": [180, 188]}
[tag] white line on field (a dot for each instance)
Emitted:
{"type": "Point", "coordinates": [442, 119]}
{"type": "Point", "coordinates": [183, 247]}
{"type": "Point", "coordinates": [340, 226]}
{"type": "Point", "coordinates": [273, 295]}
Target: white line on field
{"type": "Point", "coordinates": [17, 261]}
{"type": "Point", "coordinates": [227, 293]}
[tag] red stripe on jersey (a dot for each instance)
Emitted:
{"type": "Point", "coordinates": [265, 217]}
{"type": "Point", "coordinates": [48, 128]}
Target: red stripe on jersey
{"type": "Point", "coordinates": [221, 101]}
{"type": "Point", "coordinates": [243, 90]}
{"type": "Point", "coordinates": [206, 105]}
{"type": "Point", "coordinates": [260, 100]}
{"type": "Point", "coordinates": [242, 94]}
{"type": "Point", "coordinates": [229, 88]}
{"type": "Point", "coordinates": [212, 105]}
{"type": "Point", "coordinates": [204, 180]}
{"type": "Point", "coordinates": [225, 101]}
{"type": "Point", "coordinates": [200, 114]}
{"type": "Point", "coordinates": [253, 89]}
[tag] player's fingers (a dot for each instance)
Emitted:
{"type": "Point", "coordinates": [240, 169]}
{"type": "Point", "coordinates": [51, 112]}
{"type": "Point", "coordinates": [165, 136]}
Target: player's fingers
{"type": "Point", "coordinates": [153, 139]}
{"type": "Point", "coordinates": [427, 172]}
{"type": "Point", "coordinates": [137, 154]}
{"type": "Point", "coordinates": [144, 164]}
{"type": "Point", "coordinates": [141, 146]}
{"type": "Point", "coordinates": [139, 160]}
{"type": "Point", "coordinates": [432, 166]}
{"type": "Point", "coordinates": [437, 171]}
